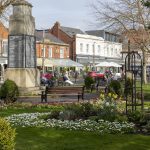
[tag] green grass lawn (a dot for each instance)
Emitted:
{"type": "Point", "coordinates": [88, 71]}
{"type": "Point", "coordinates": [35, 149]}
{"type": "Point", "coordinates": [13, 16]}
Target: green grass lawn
{"type": "Point", "coordinates": [52, 139]}
{"type": "Point", "coordinates": [56, 139]}
{"type": "Point", "coordinates": [146, 91]}
{"type": "Point", "coordinates": [11, 111]}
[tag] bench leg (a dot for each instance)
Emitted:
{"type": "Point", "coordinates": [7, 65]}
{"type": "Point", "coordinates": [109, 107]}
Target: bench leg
{"type": "Point", "coordinates": [78, 97]}
{"type": "Point", "coordinates": [43, 97]}
{"type": "Point", "coordinates": [82, 96]}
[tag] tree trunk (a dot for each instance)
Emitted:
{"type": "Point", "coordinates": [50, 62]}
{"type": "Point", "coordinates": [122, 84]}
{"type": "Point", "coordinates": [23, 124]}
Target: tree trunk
{"type": "Point", "coordinates": [144, 68]}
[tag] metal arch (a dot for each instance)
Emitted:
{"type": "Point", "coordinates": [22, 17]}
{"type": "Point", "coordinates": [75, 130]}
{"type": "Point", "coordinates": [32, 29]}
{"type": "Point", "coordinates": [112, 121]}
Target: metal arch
{"type": "Point", "coordinates": [133, 67]}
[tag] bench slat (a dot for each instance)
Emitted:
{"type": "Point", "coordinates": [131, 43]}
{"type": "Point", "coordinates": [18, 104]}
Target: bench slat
{"type": "Point", "coordinates": [75, 90]}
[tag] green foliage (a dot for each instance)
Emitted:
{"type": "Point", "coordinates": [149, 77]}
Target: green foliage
{"type": "Point", "coordinates": [146, 3]}
{"type": "Point", "coordinates": [86, 69]}
{"type": "Point", "coordinates": [115, 87]}
{"type": "Point", "coordinates": [9, 91]}
{"type": "Point", "coordinates": [135, 116]}
{"type": "Point", "coordinates": [54, 114]}
{"type": "Point", "coordinates": [7, 135]}
{"type": "Point", "coordinates": [67, 115]}
{"type": "Point", "coordinates": [109, 107]}
{"type": "Point", "coordinates": [128, 87]}
{"type": "Point", "coordinates": [88, 81]}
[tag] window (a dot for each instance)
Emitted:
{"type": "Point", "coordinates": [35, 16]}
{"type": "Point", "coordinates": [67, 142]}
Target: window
{"type": "Point", "coordinates": [108, 51]}
{"type": "Point", "coordinates": [43, 52]}
{"type": "Point", "coordinates": [116, 51]}
{"type": "Point", "coordinates": [87, 48]}
{"type": "Point", "coordinates": [61, 53]}
{"type": "Point", "coordinates": [50, 53]}
{"type": "Point", "coordinates": [112, 51]}
{"type": "Point", "coordinates": [99, 49]}
{"type": "Point", "coordinates": [81, 47]}
{"type": "Point", "coordinates": [5, 48]}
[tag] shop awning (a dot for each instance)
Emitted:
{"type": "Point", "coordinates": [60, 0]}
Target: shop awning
{"type": "Point", "coordinates": [58, 63]}
{"type": "Point", "coordinates": [47, 62]}
{"type": "Point", "coordinates": [66, 63]}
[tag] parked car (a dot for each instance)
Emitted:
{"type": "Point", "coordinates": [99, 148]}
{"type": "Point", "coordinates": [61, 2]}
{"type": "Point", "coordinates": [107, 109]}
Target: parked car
{"type": "Point", "coordinates": [95, 74]}
{"type": "Point", "coordinates": [100, 74]}
{"type": "Point", "coordinates": [92, 74]}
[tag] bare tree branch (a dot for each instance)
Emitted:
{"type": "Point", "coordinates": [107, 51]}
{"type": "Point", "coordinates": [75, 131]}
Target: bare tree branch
{"type": "Point", "coordinates": [129, 17]}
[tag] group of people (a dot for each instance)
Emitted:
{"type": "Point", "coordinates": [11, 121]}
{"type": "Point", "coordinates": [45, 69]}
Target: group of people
{"type": "Point", "coordinates": [48, 78]}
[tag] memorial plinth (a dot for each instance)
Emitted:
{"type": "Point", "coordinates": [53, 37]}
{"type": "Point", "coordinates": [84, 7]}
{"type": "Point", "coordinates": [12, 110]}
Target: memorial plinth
{"type": "Point", "coordinates": [22, 47]}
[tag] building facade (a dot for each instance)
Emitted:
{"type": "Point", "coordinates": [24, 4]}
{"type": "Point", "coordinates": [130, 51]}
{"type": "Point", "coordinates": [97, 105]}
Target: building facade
{"type": "Point", "coordinates": [67, 35]}
{"type": "Point", "coordinates": [90, 47]}
{"type": "Point", "coordinates": [50, 46]}
{"type": "Point", "coordinates": [91, 50]}
{"type": "Point", "coordinates": [3, 50]}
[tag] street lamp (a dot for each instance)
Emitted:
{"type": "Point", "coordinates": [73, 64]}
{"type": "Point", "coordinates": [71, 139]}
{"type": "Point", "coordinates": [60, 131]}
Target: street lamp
{"type": "Point", "coordinates": [93, 56]}
{"type": "Point", "coordinates": [43, 53]}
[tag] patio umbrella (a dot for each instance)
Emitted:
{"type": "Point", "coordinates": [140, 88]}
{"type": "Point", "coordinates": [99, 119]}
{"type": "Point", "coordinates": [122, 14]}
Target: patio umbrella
{"type": "Point", "coordinates": [66, 63]}
{"type": "Point", "coordinates": [103, 64]}
{"type": "Point", "coordinates": [113, 64]}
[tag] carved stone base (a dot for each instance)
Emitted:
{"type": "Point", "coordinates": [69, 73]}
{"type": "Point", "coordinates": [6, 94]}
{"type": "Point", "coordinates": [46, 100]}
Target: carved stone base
{"type": "Point", "coordinates": [24, 78]}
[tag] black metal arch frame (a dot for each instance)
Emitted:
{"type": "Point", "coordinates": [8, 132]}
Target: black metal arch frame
{"type": "Point", "coordinates": [134, 74]}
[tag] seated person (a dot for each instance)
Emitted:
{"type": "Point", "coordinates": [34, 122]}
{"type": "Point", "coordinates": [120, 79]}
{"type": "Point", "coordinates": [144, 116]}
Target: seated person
{"type": "Point", "coordinates": [66, 79]}
{"type": "Point", "coordinates": [46, 82]}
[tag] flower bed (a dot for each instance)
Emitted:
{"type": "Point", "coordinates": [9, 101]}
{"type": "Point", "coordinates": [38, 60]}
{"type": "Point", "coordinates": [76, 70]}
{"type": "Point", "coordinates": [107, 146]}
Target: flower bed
{"type": "Point", "coordinates": [101, 126]}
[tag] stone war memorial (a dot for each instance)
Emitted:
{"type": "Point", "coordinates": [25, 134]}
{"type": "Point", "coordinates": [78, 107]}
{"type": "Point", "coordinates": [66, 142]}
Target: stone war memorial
{"type": "Point", "coordinates": [22, 48]}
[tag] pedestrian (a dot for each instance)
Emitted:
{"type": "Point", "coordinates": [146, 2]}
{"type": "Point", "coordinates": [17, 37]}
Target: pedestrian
{"type": "Point", "coordinates": [76, 76]}
{"type": "Point", "coordinates": [66, 79]}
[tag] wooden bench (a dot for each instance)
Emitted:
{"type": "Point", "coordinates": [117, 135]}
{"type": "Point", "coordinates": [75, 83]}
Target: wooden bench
{"type": "Point", "coordinates": [65, 90]}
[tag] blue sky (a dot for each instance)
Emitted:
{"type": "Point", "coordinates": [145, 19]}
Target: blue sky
{"type": "Point", "coordinates": [70, 13]}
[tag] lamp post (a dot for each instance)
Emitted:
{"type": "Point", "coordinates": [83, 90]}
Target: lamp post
{"type": "Point", "coordinates": [93, 56]}
{"type": "Point", "coordinates": [43, 53]}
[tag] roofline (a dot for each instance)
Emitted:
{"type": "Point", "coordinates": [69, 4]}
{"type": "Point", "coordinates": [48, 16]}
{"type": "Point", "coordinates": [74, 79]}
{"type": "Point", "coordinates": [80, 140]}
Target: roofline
{"type": "Point", "coordinates": [65, 33]}
{"type": "Point", "coordinates": [55, 43]}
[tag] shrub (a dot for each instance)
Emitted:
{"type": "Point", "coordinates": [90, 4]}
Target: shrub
{"type": "Point", "coordinates": [7, 135]}
{"type": "Point", "coordinates": [136, 116]}
{"type": "Point", "coordinates": [88, 81]}
{"type": "Point", "coordinates": [80, 111]}
{"type": "Point", "coordinates": [115, 87]}
{"type": "Point", "coordinates": [87, 110]}
{"type": "Point", "coordinates": [9, 91]}
{"type": "Point", "coordinates": [67, 115]}
{"type": "Point", "coordinates": [109, 106]}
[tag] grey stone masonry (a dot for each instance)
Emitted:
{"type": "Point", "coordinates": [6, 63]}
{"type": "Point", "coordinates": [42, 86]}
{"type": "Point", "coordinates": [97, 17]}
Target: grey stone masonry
{"type": "Point", "coordinates": [22, 44]}
{"type": "Point", "coordinates": [22, 21]}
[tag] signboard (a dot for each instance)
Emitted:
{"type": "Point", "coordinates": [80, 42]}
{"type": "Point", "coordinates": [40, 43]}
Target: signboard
{"type": "Point", "coordinates": [30, 52]}
{"type": "Point", "coordinates": [21, 51]}
{"type": "Point", "coordinates": [15, 53]}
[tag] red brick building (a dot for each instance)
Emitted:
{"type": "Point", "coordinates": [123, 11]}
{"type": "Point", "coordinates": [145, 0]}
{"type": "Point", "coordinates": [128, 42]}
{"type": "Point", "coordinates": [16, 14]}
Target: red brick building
{"type": "Point", "coordinates": [53, 47]}
{"type": "Point", "coordinates": [67, 35]}
{"type": "Point", "coordinates": [3, 39]}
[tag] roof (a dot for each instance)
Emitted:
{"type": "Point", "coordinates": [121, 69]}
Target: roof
{"type": "Point", "coordinates": [47, 36]}
{"type": "Point", "coordinates": [71, 31]}
{"type": "Point", "coordinates": [99, 32]}
{"type": "Point", "coordinates": [95, 32]}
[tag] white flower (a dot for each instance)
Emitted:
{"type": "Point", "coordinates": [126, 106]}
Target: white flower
{"type": "Point", "coordinates": [107, 104]}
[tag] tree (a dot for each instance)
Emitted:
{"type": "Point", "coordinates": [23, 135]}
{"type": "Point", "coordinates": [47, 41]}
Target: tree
{"type": "Point", "coordinates": [126, 16]}
{"type": "Point", "coordinates": [4, 4]}
{"type": "Point", "coordinates": [146, 3]}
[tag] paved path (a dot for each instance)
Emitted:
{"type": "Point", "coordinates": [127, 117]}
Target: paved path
{"type": "Point", "coordinates": [56, 99]}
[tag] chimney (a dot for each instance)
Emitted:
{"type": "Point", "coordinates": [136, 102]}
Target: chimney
{"type": "Point", "coordinates": [55, 29]}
